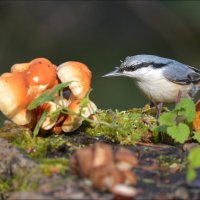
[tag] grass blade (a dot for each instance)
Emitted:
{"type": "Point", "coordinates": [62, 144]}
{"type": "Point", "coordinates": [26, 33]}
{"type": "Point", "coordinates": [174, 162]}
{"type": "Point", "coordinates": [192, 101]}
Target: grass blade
{"type": "Point", "coordinates": [47, 95]}
{"type": "Point", "coordinates": [39, 123]}
{"type": "Point", "coordinates": [40, 100]}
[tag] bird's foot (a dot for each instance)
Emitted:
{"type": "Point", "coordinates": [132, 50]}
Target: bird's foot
{"type": "Point", "coordinates": [159, 110]}
{"type": "Point", "coordinates": [178, 98]}
{"type": "Point", "coordinates": [158, 107]}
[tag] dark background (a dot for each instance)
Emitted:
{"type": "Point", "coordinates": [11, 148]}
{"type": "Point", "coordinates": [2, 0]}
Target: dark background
{"type": "Point", "coordinates": [100, 34]}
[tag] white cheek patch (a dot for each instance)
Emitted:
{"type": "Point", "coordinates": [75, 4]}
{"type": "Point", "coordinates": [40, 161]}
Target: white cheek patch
{"type": "Point", "coordinates": [146, 74]}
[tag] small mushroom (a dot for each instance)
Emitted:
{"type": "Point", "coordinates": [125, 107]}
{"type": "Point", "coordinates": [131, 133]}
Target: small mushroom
{"type": "Point", "coordinates": [79, 164]}
{"type": "Point", "coordinates": [103, 155]}
{"type": "Point", "coordinates": [61, 102]}
{"type": "Point", "coordinates": [125, 159]}
{"type": "Point", "coordinates": [48, 122]}
{"type": "Point", "coordinates": [97, 155]}
{"type": "Point", "coordinates": [51, 107]}
{"type": "Point", "coordinates": [123, 191]}
{"type": "Point", "coordinates": [130, 177]}
{"type": "Point", "coordinates": [80, 76]}
{"type": "Point", "coordinates": [106, 177]}
{"type": "Point", "coordinates": [97, 163]}
{"type": "Point", "coordinates": [74, 120]}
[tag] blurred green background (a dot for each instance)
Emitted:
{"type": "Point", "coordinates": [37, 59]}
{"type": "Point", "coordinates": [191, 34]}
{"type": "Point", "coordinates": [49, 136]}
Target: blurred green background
{"type": "Point", "coordinates": [100, 34]}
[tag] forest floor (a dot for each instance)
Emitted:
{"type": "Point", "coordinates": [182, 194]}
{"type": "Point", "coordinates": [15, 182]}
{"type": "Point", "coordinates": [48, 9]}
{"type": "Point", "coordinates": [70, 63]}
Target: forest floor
{"type": "Point", "coordinates": [38, 168]}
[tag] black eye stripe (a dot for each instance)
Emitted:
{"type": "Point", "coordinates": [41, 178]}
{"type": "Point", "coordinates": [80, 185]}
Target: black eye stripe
{"type": "Point", "coordinates": [141, 65]}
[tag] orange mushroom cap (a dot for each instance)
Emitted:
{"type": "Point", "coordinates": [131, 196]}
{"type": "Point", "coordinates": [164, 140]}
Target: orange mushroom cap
{"type": "Point", "coordinates": [15, 99]}
{"type": "Point", "coordinates": [79, 74]}
{"type": "Point", "coordinates": [41, 72]}
{"type": "Point", "coordinates": [26, 82]}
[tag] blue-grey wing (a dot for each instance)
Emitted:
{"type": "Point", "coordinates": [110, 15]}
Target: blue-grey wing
{"type": "Point", "coordinates": [181, 74]}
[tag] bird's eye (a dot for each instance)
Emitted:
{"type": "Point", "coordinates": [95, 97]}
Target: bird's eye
{"type": "Point", "coordinates": [128, 68]}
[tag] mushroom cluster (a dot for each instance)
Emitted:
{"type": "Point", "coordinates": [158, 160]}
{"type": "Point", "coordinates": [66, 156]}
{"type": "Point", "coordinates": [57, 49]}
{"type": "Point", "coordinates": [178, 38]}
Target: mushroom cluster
{"type": "Point", "coordinates": [27, 81]}
{"type": "Point", "coordinates": [108, 170]}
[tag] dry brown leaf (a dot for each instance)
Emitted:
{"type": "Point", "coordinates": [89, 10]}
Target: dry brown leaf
{"type": "Point", "coordinates": [196, 122]}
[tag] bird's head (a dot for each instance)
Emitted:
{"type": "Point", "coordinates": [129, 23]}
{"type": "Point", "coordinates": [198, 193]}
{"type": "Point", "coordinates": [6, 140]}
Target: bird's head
{"type": "Point", "coordinates": [134, 66]}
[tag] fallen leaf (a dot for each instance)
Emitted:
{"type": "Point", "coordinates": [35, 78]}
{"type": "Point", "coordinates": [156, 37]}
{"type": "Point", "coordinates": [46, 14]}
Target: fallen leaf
{"type": "Point", "coordinates": [196, 122]}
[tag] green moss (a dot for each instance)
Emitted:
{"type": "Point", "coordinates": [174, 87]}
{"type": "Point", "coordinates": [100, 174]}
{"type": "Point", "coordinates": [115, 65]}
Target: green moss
{"type": "Point", "coordinates": [46, 151]}
{"type": "Point", "coordinates": [125, 127]}
{"type": "Point", "coordinates": [5, 185]}
{"type": "Point", "coordinates": [22, 181]}
{"type": "Point", "coordinates": [36, 147]}
{"type": "Point", "coordinates": [29, 180]}
{"type": "Point", "coordinates": [25, 181]}
{"type": "Point", "coordinates": [54, 165]}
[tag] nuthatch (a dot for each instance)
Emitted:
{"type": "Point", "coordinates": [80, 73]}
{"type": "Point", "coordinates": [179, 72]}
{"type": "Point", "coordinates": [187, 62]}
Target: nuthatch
{"type": "Point", "coordinates": [162, 80]}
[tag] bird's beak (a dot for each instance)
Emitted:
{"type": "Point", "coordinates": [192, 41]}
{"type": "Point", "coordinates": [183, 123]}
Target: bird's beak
{"type": "Point", "coordinates": [116, 72]}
